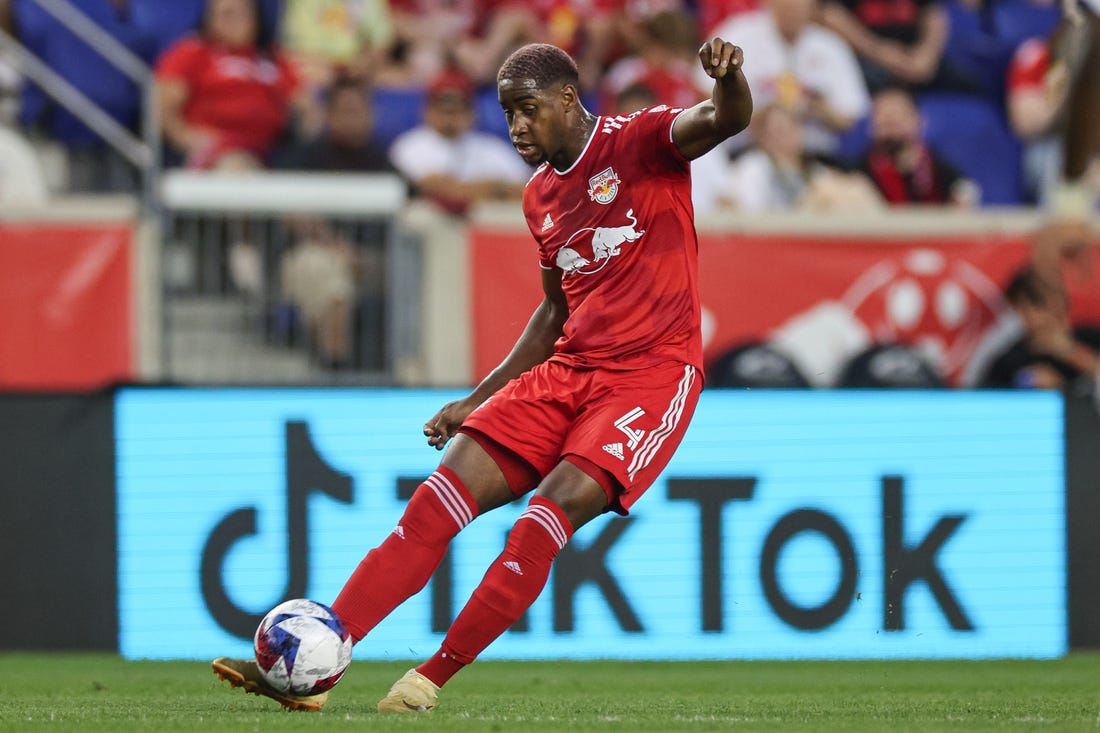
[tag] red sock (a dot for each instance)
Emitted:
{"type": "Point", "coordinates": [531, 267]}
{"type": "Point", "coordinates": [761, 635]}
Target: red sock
{"type": "Point", "coordinates": [509, 587]}
{"type": "Point", "coordinates": [400, 566]}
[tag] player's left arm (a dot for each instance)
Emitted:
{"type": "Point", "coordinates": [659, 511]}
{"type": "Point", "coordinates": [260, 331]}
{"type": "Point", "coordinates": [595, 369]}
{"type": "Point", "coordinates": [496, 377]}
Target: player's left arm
{"type": "Point", "coordinates": [534, 346]}
{"type": "Point", "coordinates": [726, 113]}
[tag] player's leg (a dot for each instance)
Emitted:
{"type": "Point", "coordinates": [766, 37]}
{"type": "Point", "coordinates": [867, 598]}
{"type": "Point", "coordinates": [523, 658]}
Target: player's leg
{"type": "Point", "coordinates": [635, 428]}
{"type": "Point", "coordinates": [503, 449]}
{"type": "Point", "coordinates": [614, 450]}
{"type": "Point", "coordinates": [467, 483]}
{"type": "Point", "coordinates": [566, 499]}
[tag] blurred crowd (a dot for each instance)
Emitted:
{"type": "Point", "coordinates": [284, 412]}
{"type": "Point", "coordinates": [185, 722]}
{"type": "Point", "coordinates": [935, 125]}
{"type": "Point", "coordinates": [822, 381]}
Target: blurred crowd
{"type": "Point", "coordinates": [861, 103]}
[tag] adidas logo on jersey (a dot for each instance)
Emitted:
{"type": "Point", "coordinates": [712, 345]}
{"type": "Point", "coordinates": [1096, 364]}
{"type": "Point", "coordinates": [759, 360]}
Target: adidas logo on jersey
{"type": "Point", "coordinates": [513, 566]}
{"type": "Point", "coordinates": [547, 223]}
{"type": "Point", "coordinates": [615, 449]}
{"type": "Point", "coordinates": [399, 531]}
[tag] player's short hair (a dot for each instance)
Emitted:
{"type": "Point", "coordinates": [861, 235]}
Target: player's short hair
{"type": "Point", "coordinates": [541, 62]}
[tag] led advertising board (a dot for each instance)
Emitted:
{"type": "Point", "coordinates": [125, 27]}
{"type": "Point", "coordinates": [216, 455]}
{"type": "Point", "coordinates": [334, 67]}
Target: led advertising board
{"type": "Point", "coordinates": [798, 524]}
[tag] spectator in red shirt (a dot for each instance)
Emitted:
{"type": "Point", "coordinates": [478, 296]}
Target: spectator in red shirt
{"type": "Point", "coordinates": [665, 61]}
{"type": "Point", "coordinates": [712, 13]}
{"type": "Point", "coordinates": [425, 33]}
{"type": "Point", "coordinates": [475, 35]}
{"type": "Point", "coordinates": [225, 94]}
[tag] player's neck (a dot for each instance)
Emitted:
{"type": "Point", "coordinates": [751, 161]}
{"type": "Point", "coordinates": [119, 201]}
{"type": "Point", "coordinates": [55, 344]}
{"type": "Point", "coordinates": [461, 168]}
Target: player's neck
{"type": "Point", "coordinates": [578, 139]}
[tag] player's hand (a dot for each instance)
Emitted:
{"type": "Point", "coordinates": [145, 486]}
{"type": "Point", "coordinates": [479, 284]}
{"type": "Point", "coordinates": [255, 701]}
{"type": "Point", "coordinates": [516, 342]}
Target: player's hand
{"type": "Point", "coordinates": [720, 58]}
{"type": "Point", "coordinates": [445, 423]}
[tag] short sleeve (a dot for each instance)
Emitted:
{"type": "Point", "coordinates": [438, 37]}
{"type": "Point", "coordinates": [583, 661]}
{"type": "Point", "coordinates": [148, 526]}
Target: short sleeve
{"type": "Point", "coordinates": [288, 76]}
{"type": "Point", "coordinates": [1029, 65]}
{"type": "Point", "coordinates": [182, 61]}
{"type": "Point", "coordinates": [651, 129]}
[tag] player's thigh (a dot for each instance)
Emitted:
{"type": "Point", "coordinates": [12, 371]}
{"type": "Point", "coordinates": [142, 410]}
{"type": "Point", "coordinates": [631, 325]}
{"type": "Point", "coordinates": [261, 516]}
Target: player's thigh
{"type": "Point", "coordinates": [478, 472]}
{"type": "Point", "coordinates": [531, 415]}
{"type": "Point", "coordinates": [579, 495]}
{"type": "Point", "coordinates": [633, 428]}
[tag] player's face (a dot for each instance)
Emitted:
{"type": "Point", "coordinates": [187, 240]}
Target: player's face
{"type": "Point", "coordinates": [535, 119]}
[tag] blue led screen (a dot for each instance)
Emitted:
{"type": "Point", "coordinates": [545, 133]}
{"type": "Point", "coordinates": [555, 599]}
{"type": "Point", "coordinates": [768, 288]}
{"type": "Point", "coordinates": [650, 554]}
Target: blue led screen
{"type": "Point", "coordinates": [798, 524]}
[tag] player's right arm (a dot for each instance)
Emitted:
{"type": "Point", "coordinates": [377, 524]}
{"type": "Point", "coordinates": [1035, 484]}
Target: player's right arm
{"type": "Point", "coordinates": [534, 346]}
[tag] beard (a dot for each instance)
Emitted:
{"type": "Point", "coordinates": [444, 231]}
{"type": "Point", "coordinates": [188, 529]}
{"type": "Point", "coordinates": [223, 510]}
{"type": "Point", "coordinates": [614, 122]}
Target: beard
{"type": "Point", "coordinates": [892, 146]}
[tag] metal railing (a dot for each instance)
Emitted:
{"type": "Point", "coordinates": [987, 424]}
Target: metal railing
{"type": "Point", "coordinates": [251, 261]}
{"type": "Point", "coordinates": [143, 152]}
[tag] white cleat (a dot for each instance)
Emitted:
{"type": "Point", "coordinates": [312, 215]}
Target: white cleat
{"type": "Point", "coordinates": [413, 693]}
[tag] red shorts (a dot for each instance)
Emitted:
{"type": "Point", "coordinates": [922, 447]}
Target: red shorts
{"type": "Point", "coordinates": [628, 423]}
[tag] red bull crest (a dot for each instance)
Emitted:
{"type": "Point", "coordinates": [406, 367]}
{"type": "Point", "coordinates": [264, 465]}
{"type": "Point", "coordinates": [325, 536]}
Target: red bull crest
{"type": "Point", "coordinates": [604, 186]}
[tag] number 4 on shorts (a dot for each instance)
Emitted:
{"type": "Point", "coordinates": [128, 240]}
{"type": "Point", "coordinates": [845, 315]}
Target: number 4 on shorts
{"type": "Point", "coordinates": [623, 423]}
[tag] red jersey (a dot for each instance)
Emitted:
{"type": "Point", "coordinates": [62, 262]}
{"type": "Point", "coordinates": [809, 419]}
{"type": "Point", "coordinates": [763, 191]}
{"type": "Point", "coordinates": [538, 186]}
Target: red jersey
{"type": "Point", "coordinates": [561, 19]}
{"type": "Point", "coordinates": [674, 85]}
{"type": "Point", "coordinates": [241, 95]}
{"type": "Point", "coordinates": [712, 13]}
{"type": "Point", "coordinates": [619, 224]}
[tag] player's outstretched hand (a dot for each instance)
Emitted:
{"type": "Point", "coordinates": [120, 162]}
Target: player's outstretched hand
{"type": "Point", "coordinates": [720, 58]}
{"type": "Point", "coordinates": [445, 423]}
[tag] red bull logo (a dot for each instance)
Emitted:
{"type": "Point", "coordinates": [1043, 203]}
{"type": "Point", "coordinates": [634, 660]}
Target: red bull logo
{"type": "Point", "coordinates": [589, 250]}
{"type": "Point", "coordinates": [604, 186]}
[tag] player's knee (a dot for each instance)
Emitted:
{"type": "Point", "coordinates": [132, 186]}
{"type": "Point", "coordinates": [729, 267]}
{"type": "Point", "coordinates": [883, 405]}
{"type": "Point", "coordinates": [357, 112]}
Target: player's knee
{"type": "Point", "coordinates": [579, 495]}
{"type": "Point", "coordinates": [479, 473]}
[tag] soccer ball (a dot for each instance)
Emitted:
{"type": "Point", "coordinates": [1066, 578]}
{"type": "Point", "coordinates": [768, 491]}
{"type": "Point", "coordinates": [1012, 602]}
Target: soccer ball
{"type": "Point", "coordinates": [302, 647]}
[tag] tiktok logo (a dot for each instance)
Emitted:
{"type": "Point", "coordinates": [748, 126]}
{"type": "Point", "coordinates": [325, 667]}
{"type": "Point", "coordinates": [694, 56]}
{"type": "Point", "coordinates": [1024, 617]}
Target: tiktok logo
{"type": "Point", "coordinates": [306, 472]}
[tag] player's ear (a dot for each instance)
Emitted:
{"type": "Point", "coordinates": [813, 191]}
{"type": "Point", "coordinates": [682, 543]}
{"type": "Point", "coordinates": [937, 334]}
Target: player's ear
{"type": "Point", "coordinates": [569, 96]}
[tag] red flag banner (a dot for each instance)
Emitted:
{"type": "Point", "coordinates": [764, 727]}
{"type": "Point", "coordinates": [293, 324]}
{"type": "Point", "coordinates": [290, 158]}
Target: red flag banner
{"type": "Point", "coordinates": [65, 305]}
{"type": "Point", "coordinates": [822, 298]}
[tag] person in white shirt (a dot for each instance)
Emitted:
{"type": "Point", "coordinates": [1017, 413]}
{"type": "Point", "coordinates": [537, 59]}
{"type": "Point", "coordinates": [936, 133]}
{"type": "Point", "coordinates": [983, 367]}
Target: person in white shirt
{"type": "Point", "coordinates": [800, 65]}
{"type": "Point", "coordinates": [777, 173]}
{"type": "Point", "coordinates": [447, 161]}
{"type": "Point", "coordinates": [22, 178]}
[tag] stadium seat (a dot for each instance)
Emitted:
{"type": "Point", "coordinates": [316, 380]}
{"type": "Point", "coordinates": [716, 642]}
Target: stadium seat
{"type": "Point", "coordinates": [755, 365]}
{"type": "Point", "coordinates": [890, 366]}
{"type": "Point", "coordinates": [852, 143]}
{"type": "Point", "coordinates": [167, 22]}
{"type": "Point", "coordinates": [974, 48]}
{"type": "Point", "coordinates": [489, 116]}
{"type": "Point", "coordinates": [396, 110]}
{"type": "Point", "coordinates": [83, 67]}
{"type": "Point", "coordinates": [972, 134]}
{"type": "Point", "coordinates": [32, 25]}
{"type": "Point", "coordinates": [1015, 21]}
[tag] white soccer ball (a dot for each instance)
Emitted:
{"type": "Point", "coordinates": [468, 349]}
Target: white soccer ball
{"type": "Point", "coordinates": [302, 647]}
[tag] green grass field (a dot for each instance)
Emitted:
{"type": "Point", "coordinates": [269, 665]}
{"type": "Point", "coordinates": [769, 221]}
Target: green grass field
{"type": "Point", "coordinates": [89, 693]}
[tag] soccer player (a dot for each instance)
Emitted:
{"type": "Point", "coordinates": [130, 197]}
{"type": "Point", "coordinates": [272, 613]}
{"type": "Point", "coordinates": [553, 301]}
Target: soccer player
{"type": "Point", "coordinates": [597, 392]}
